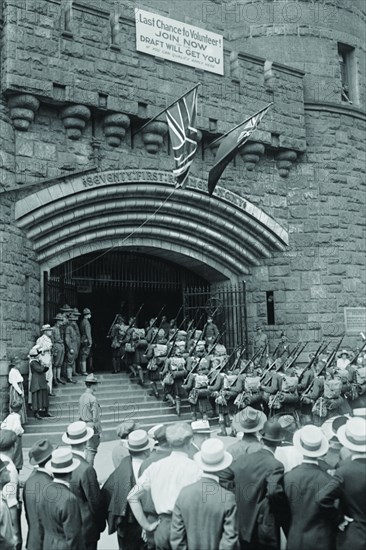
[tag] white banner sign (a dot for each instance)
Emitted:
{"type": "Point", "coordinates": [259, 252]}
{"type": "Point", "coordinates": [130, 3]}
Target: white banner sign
{"type": "Point", "coordinates": [163, 37]}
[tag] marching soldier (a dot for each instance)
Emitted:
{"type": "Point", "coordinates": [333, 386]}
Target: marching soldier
{"type": "Point", "coordinates": [58, 348]}
{"type": "Point", "coordinates": [156, 355]}
{"type": "Point", "coordinates": [174, 373]}
{"type": "Point", "coordinates": [261, 343]}
{"type": "Point", "coordinates": [198, 387]}
{"type": "Point", "coordinates": [86, 340]}
{"type": "Point", "coordinates": [224, 392]}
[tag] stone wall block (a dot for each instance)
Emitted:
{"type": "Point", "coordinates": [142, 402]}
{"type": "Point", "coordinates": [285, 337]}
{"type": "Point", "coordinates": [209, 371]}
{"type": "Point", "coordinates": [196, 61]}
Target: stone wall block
{"type": "Point", "coordinates": [22, 110]}
{"type": "Point", "coordinates": [153, 136]}
{"type": "Point", "coordinates": [115, 126]}
{"type": "Point", "coordinates": [251, 153]}
{"type": "Point", "coordinates": [74, 118]}
{"type": "Point", "coordinates": [285, 160]}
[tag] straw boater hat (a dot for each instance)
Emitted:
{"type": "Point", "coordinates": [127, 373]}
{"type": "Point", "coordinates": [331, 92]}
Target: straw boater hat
{"type": "Point", "coordinates": [40, 451]}
{"type": "Point", "coordinates": [77, 432]}
{"type": "Point", "coordinates": [34, 352]}
{"type": "Point", "coordinates": [138, 440]}
{"type": "Point", "coordinates": [158, 433]}
{"type": "Point", "coordinates": [44, 328]}
{"type": "Point", "coordinates": [310, 441]}
{"type": "Point", "coordinates": [360, 412]}
{"type": "Point", "coordinates": [353, 434]}
{"type": "Point", "coordinates": [212, 457]}
{"type": "Point", "coordinates": [62, 461]}
{"type": "Point", "coordinates": [249, 420]}
{"type": "Point", "coordinates": [201, 427]}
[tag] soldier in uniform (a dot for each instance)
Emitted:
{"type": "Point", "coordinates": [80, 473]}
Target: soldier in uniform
{"type": "Point", "coordinates": [89, 412]}
{"type": "Point", "coordinates": [75, 316]}
{"type": "Point", "coordinates": [261, 343]}
{"type": "Point", "coordinates": [86, 340]}
{"type": "Point", "coordinates": [283, 348]}
{"type": "Point", "coordinates": [65, 311]}
{"type": "Point", "coordinates": [175, 369]}
{"type": "Point", "coordinates": [210, 331]}
{"type": "Point", "coordinates": [58, 349]}
{"type": "Point", "coordinates": [70, 349]}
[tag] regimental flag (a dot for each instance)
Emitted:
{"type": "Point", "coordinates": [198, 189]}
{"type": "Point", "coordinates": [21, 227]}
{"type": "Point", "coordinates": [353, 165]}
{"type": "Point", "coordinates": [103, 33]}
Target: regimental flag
{"type": "Point", "coordinates": [181, 118]}
{"type": "Point", "coordinates": [231, 144]}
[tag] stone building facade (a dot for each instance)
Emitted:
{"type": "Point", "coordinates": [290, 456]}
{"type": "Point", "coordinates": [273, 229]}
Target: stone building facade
{"type": "Point", "coordinates": [288, 214]}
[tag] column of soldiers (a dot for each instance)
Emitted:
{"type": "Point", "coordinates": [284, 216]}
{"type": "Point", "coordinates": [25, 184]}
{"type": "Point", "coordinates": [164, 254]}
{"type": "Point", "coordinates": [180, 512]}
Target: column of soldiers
{"type": "Point", "coordinates": [59, 355]}
{"type": "Point", "coordinates": [194, 364]}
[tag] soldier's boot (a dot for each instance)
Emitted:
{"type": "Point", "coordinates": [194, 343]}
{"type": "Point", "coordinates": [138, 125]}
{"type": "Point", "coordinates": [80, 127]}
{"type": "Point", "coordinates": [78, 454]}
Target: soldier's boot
{"type": "Point", "coordinates": [114, 365]}
{"type": "Point", "coordinates": [171, 399]}
{"type": "Point", "coordinates": [233, 430]}
{"type": "Point", "coordinates": [154, 390]}
{"type": "Point", "coordinates": [177, 405]}
{"type": "Point", "coordinates": [69, 376]}
{"type": "Point", "coordinates": [133, 373]}
{"type": "Point", "coordinates": [222, 425]}
{"type": "Point", "coordinates": [58, 376]}
{"type": "Point", "coordinates": [83, 367]}
{"type": "Point", "coordinates": [141, 381]}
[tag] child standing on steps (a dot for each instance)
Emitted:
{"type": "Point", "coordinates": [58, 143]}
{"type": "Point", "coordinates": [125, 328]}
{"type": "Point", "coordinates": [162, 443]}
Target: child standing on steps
{"type": "Point", "coordinates": [13, 422]}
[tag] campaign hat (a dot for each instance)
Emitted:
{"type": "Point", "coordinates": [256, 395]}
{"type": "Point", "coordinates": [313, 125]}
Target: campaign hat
{"type": "Point", "coordinates": [249, 420]}
{"type": "Point", "coordinates": [91, 379]}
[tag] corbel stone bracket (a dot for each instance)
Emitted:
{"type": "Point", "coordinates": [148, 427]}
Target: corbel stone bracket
{"type": "Point", "coordinates": [22, 110]}
{"type": "Point", "coordinates": [75, 118]}
{"type": "Point", "coordinates": [115, 126]}
{"type": "Point", "coordinates": [153, 136]}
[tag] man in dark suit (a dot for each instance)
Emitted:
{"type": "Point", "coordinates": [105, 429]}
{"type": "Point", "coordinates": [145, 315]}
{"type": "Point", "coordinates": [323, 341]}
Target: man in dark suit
{"type": "Point", "coordinates": [35, 489]}
{"type": "Point", "coordinates": [115, 490]}
{"type": "Point", "coordinates": [351, 486]}
{"type": "Point", "coordinates": [309, 521]}
{"type": "Point", "coordinates": [257, 487]}
{"type": "Point", "coordinates": [84, 484]}
{"type": "Point", "coordinates": [204, 514]}
{"type": "Point", "coordinates": [60, 511]}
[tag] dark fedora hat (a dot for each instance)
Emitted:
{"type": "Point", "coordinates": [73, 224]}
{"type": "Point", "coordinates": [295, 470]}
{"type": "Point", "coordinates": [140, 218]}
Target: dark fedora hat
{"type": "Point", "coordinates": [7, 439]}
{"type": "Point", "coordinates": [40, 451]}
{"type": "Point", "coordinates": [272, 432]}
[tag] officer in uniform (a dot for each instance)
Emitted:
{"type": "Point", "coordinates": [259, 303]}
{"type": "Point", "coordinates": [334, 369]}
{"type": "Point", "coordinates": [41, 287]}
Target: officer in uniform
{"type": "Point", "coordinates": [75, 316]}
{"type": "Point", "coordinates": [86, 340]}
{"type": "Point", "coordinates": [89, 412]}
{"type": "Point", "coordinates": [70, 349]}
{"type": "Point", "coordinates": [58, 348]}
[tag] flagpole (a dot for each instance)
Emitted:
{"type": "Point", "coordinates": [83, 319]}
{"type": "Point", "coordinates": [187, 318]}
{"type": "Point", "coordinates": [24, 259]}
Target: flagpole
{"type": "Point", "coordinates": [240, 124]}
{"type": "Point", "coordinates": [166, 108]}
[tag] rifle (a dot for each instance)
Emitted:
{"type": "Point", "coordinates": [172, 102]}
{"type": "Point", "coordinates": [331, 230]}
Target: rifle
{"type": "Point", "coordinates": [112, 325]}
{"type": "Point", "coordinates": [286, 364]}
{"type": "Point", "coordinates": [354, 360]}
{"type": "Point", "coordinates": [155, 335]}
{"type": "Point", "coordinates": [223, 367]}
{"type": "Point", "coordinates": [242, 370]}
{"type": "Point", "coordinates": [208, 352]}
{"type": "Point", "coordinates": [295, 356]}
{"type": "Point", "coordinates": [239, 358]}
{"type": "Point", "coordinates": [326, 365]}
{"type": "Point", "coordinates": [321, 349]}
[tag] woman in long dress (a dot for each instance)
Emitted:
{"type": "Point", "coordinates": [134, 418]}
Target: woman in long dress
{"type": "Point", "coordinates": [38, 385]}
{"type": "Point", "coordinates": [16, 392]}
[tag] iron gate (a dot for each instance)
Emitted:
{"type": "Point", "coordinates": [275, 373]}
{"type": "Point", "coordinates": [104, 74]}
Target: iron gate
{"type": "Point", "coordinates": [57, 292]}
{"type": "Point", "coordinates": [226, 304]}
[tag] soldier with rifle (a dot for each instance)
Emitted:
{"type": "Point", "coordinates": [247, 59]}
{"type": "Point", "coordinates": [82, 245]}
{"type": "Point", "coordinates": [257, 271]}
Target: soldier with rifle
{"type": "Point", "coordinates": [261, 342]}
{"type": "Point", "coordinates": [306, 377]}
{"type": "Point", "coordinates": [117, 333]}
{"type": "Point", "coordinates": [247, 385]}
{"type": "Point", "coordinates": [130, 342]}
{"type": "Point", "coordinates": [156, 354]}
{"type": "Point", "coordinates": [222, 388]}
{"type": "Point", "coordinates": [197, 384]}
{"type": "Point", "coordinates": [174, 373]}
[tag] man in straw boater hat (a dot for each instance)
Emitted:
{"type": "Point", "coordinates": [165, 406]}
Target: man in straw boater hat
{"type": "Point", "coordinates": [117, 487]}
{"type": "Point", "coordinates": [258, 474]}
{"type": "Point", "coordinates": [351, 486]}
{"type": "Point", "coordinates": [165, 479]}
{"type": "Point", "coordinates": [89, 412]}
{"type": "Point", "coordinates": [249, 422]}
{"type": "Point", "coordinates": [84, 484]}
{"type": "Point", "coordinates": [60, 510]}
{"type": "Point", "coordinates": [204, 514]}
{"type": "Point", "coordinates": [35, 489]}
{"type": "Point", "coordinates": [309, 512]}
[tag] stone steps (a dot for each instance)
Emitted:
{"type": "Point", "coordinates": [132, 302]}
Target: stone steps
{"type": "Point", "coordinates": [120, 399]}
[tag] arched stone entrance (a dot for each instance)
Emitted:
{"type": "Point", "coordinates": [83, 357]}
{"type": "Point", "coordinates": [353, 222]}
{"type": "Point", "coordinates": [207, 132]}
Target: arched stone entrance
{"type": "Point", "coordinates": [216, 238]}
{"type": "Point", "coordinates": [222, 236]}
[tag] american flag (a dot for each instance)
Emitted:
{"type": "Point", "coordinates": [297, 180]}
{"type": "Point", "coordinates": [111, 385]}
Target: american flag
{"type": "Point", "coordinates": [231, 144]}
{"type": "Point", "coordinates": [181, 118]}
